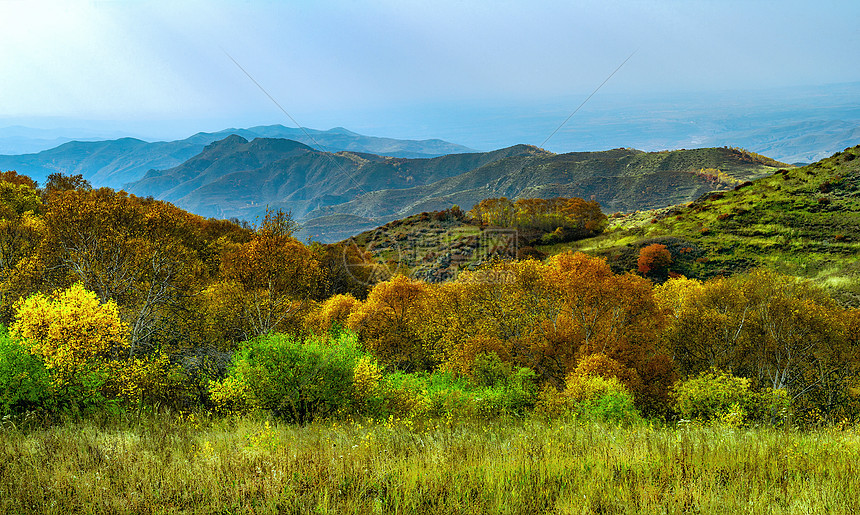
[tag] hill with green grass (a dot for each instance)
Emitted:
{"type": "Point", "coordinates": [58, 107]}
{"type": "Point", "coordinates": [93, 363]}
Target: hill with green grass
{"type": "Point", "coordinates": [802, 221]}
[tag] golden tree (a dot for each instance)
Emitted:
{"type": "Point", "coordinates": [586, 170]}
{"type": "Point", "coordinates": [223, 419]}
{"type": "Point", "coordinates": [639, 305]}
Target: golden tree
{"type": "Point", "coordinates": [127, 249]}
{"type": "Point", "coordinates": [72, 331]}
{"type": "Point", "coordinates": [389, 323]}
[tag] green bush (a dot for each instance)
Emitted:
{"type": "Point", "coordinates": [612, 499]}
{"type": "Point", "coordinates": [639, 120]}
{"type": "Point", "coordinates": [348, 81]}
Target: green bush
{"type": "Point", "coordinates": [442, 394]}
{"type": "Point", "coordinates": [490, 371]}
{"type": "Point", "coordinates": [600, 398]}
{"type": "Point", "coordinates": [24, 381]}
{"type": "Point", "coordinates": [589, 397]}
{"type": "Point", "coordinates": [718, 396]}
{"type": "Point", "coordinates": [297, 381]}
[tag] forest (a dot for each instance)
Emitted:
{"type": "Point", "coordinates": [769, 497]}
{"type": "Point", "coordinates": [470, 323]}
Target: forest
{"type": "Point", "coordinates": [118, 302]}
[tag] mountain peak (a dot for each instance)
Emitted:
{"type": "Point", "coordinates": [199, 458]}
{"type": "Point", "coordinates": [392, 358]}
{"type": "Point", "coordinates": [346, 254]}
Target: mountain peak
{"type": "Point", "coordinates": [341, 130]}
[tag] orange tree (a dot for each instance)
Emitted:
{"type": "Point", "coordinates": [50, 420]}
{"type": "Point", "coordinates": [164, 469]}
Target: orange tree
{"type": "Point", "coordinates": [610, 314]}
{"type": "Point", "coordinates": [390, 323]}
{"type": "Point", "coordinates": [270, 279]}
{"type": "Point", "coordinates": [550, 316]}
{"type": "Point", "coordinates": [654, 259]}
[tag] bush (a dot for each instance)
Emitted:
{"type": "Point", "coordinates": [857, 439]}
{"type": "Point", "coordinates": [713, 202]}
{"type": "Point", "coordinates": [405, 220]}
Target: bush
{"type": "Point", "coordinates": [75, 336]}
{"type": "Point", "coordinates": [718, 396]}
{"type": "Point", "coordinates": [599, 398]}
{"type": "Point", "coordinates": [490, 371]}
{"type": "Point", "coordinates": [24, 381]}
{"type": "Point", "coordinates": [294, 380]}
{"type": "Point", "coordinates": [590, 397]}
{"type": "Point", "coordinates": [711, 395]}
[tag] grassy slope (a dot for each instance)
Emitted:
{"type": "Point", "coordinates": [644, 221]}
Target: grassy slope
{"type": "Point", "coordinates": [803, 222]}
{"type": "Point", "coordinates": [436, 250]}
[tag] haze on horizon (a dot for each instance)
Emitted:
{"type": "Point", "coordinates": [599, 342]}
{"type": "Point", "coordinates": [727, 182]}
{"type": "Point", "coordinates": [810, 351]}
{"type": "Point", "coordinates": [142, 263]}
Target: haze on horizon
{"type": "Point", "coordinates": [400, 69]}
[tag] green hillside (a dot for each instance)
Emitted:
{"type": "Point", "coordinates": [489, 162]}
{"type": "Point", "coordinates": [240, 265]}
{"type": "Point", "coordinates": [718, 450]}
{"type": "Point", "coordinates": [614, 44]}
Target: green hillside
{"type": "Point", "coordinates": [803, 221]}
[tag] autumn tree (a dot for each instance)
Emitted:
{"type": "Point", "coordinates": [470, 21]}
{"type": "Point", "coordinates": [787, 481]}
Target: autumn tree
{"type": "Point", "coordinates": [60, 182]}
{"type": "Point", "coordinates": [72, 332]}
{"type": "Point", "coordinates": [345, 269]}
{"type": "Point", "coordinates": [13, 177]}
{"type": "Point", "coordinates": [134, 251]}
{"type": "Point", "coordinates": [271, 277]}
{"type": "Point", "coordinates": [654, 259]}
{"type": "Point", "coordinates": [709, 324]}
{"type": "Point", "coordinates": [611, 314]}
{"type": "Point", "coordinates": [389, 321]}
{"type": "Point", "coordinates": [777, 331]}
{"type": "Point", "coordinates": [21, 233]}
{"type": "Point", "coordinates": [495, 211]}
{"type": "Point", "coordinates": [334, 310]}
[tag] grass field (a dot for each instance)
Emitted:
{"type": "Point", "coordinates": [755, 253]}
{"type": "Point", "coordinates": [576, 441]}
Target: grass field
{"type": "Point", "coordinates": [189, 464]}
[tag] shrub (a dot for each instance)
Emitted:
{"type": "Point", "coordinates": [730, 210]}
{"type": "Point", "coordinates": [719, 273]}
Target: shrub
{"type": "Point", "coordinates": [717, 396]}
{"type": "Point", "coordinates": [599, 398]}
{"type": "Point", "coordinates": [76, 336]}
{"type": "Point", "coordinates": [590, 397]}
{"type": "Point", "coordinates": [294, 380]}
{"type": "Point", "coordinates": [489, 370]}
{"type": "Point", "coordinates": [24, 381]}
{"type": "Point", "coordinates": [654, 258]}
{"type": "Point", "coordinates": [711, 395]}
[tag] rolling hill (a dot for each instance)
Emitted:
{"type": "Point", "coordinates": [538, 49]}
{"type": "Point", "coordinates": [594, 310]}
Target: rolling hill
{"type": "Point", "coordinates": [238, 178]}
{"type": "Point", "coordinates": [620, 179]}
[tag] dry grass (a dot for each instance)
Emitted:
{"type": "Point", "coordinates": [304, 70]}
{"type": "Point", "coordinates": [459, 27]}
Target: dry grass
{"type": "Point", "coordinates": [174, 464]}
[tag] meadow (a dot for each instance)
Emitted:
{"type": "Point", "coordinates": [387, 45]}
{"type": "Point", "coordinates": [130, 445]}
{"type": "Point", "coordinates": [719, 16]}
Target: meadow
{"type": "Point", "coordinates": [193, 463]}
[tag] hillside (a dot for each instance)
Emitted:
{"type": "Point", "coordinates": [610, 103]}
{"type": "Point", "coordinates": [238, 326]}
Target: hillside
{"type": "Point", "coordinates": [621, 180]}
{"type": "Point", "coordinates": [803, 222]}
{"type": "Point", "coordinates": [237, 178]}
{"type": "Point", "coordinates": [114, 163]}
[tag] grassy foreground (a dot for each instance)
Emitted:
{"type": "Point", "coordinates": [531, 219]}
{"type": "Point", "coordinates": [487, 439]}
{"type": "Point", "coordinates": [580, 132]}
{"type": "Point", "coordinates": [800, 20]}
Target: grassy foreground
{"type": "Point", "coordinates": [186, 465]}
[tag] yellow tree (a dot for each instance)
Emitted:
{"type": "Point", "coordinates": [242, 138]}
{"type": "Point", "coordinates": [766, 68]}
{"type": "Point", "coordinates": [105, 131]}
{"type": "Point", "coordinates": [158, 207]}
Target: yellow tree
{"type": "Point", "coordinates": [708, 324]}
{"type": "Point", "coordinates": [495, 211]}
{"type": "Point", "coordinates": [798, 331]}
{"type": "Point", "coordinates": [127, 249]}
{"type": "Point", "coordinates": [72, 331]}
{"type": "Point", "coordinates": [21, 232]}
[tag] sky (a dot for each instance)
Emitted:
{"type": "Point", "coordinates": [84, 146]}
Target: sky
{"type": "Point", "coordinates": [398, 68]}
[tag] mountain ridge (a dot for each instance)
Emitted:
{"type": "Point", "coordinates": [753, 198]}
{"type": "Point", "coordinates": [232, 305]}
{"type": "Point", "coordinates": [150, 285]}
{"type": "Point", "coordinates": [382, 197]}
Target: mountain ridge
{"type": "Point", "coordinates": [117, 162]}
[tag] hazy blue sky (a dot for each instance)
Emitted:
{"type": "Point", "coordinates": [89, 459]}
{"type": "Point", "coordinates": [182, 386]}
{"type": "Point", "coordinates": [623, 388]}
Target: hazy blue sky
{"type": "Point", "coordinates": [159, 67]}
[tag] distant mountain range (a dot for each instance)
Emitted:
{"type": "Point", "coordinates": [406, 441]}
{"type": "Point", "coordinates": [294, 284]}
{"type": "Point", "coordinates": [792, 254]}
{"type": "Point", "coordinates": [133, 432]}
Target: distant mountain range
{"type": "Point", "coordinates": [114, 163]}
{"type": "Point", "coordinates": [339, 194]}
